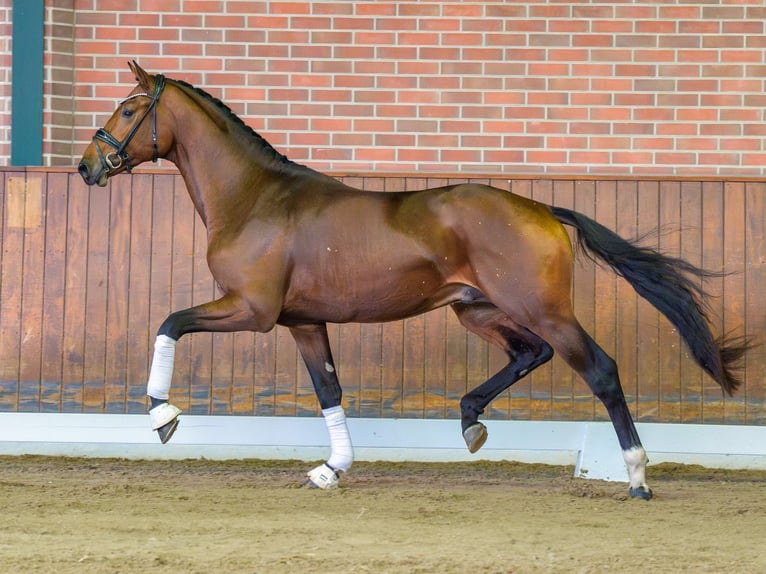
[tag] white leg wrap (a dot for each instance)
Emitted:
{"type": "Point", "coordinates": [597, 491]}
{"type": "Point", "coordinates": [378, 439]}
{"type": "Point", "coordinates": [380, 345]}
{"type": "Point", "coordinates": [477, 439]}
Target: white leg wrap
{"type": "Point", "coordinates": [635, 461]}
{"type": "Point", "coordinates": [161, 373]}
{"type": "Point", "coordinates": [341, 450]}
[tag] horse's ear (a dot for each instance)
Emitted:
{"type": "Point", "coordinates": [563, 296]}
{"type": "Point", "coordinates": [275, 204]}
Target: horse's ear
{"type": "Point", "coordinates": [141, 76]}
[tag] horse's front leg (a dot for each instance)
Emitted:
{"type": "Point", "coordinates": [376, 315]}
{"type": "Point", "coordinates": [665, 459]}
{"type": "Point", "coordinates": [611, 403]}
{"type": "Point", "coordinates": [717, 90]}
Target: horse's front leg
{"type": "Point", "coordinates": [226, 314]}
{"type": "Point", "coordinates": [314, 346]}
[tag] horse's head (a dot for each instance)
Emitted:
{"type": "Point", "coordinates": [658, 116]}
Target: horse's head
{"type": "Point", "coordinates": [131, 136]}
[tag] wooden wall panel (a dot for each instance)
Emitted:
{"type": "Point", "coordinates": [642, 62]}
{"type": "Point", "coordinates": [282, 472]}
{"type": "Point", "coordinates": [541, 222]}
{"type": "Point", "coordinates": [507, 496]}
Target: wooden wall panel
{"type": "Point", "coordinates": [88, 275]}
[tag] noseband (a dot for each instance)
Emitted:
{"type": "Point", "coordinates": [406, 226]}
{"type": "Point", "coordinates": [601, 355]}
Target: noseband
{"type": "Point", "coordinates": [114, 160]}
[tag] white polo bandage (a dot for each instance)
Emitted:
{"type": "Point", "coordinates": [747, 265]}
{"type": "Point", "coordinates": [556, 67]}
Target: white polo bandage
{"type": "Point", "coordinates": [161, 373]}
{"type": "Point", "coordinates": [635, 461]}
{"type": "Point", "coordinates": [341, 450]}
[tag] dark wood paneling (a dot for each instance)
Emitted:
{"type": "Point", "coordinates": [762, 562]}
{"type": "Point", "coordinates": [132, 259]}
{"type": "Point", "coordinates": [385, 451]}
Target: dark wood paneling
{"type": "Point", "coordinates": [87, 276]}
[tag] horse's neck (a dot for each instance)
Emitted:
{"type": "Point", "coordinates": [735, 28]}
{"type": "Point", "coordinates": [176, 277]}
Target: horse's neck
{"type": "Point", "coordinates": [216, 170]}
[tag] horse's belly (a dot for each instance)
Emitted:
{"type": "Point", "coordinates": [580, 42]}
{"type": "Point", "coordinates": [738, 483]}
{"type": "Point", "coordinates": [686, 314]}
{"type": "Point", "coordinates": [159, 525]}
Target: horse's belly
{"type": "Point", "coordinates": [381, 304]}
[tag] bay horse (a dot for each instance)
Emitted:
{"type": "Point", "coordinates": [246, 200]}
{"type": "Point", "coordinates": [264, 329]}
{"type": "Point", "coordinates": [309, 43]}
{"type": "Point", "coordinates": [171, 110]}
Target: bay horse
{"type": "Point", "coordinates": [291, 246]}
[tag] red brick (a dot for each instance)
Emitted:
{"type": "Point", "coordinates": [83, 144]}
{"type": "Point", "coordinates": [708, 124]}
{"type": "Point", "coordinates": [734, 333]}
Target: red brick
{"type": "Point", "coordinates": [460, 155]}
{"type": "Point", "coordinates": [438, 140]}
{"type": "Point", "coordinates": [589, 157]}
{"type": "Point", "coordinates": [568, 26]}
{"type": "Point", "coordinates": [438, 111]}
{"type": "Point", "coordinates": [611, 114]}
{"type": "Point", "coordinates": [463, 10]}
{"type": "Point", "coordinates": [569, 54]}
{"type": "Point", "coordinates": [375, 8]}
{"type": "Point", "coordinates": [396, 24]}
{"type": "Point", "coordinates": [483, 25]}
{"type": "Point", "coordinates": [722, 71]}
{"type": "Point", "coordinates": [352, 139]}
{"type": "Point", "coordinates": [327, 153]}
{"type": "Point", "coordinates": [504, 156]}
{"type": "Point", "coordinates": [616, 27]}
{"type": "Point", "coordinates": [332, 95]}
{"type": "Point", "coordinates": [590, 40]}
{"type": "Point", "coordinates": [750, 27]}
{"type": "Point", "coordinates": [591, 99]}
{"type": "Point", "coordinates": [355, 110]}
{"type": "Point", "coordinates": [632, 157]}
{"type": "Point", "coordinates": [720, 129]}
{"type": "Point", "coordinates": [419, 155]}
{"type": "Point", "coordinates": [394, 140]}
{"type": "Point", "coordinates": [375, 154]}
{"type": "Point", "coordinates": [417, 97]}
{"type": "Point", "coordinates": [546, 156]}
{"type": "Point", "coordinates": [373, 125]}
{"type": "Point", "coordinates": [740, 144]}
{"type": "Point", "coordinates": [634, 128]}
{"type": "Point", "coordinates": [680, 12]}
{"type": "Point", "coordinates": [267, 21]}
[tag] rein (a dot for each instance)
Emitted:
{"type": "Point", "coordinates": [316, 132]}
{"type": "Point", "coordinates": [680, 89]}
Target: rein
{"type": "Point", "coordinates": [114, 160]}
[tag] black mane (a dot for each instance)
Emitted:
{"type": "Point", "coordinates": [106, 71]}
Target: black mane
{"type": "Point", "coordinates": [277, 158]}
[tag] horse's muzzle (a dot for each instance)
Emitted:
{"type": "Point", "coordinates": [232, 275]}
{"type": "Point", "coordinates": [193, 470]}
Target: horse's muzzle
{"type": "Point", "coordinates": [91, 176]}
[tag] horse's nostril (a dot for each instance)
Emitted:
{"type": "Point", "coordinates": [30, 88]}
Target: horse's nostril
{"type": "Point", "coordinates": [83, 170]}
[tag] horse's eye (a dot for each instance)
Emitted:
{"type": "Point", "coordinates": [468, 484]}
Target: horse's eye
{"type": "Point", "coordinates": [127, 113]}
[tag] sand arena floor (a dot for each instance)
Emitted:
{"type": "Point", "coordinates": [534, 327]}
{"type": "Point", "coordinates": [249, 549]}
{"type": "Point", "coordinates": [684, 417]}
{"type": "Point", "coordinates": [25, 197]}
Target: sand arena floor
{"type": "Point", "coordinates": [63, 515]}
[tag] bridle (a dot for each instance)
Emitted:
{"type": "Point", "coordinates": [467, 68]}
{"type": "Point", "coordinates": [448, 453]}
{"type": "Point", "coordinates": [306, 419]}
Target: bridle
{"type": "Point", "coordinates": [115, 159]}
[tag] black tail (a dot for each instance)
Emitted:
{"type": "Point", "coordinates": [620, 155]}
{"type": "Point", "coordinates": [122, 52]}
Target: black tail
{"type": "Point", "coordinates": [666, 282]}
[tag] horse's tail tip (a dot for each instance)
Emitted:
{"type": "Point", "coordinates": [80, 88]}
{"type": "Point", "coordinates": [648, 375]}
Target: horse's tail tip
{"type": "Point", "coordinates": [733, 349]}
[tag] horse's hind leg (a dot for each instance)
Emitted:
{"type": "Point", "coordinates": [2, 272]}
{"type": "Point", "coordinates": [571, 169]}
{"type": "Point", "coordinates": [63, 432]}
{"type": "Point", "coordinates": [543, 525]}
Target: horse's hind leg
{"type": "Point", "coordinates": [314, 346]}
{"type": "Point", "coordinates": [525, 350]}
{"type": "Point", "coordinates": [599, 370]}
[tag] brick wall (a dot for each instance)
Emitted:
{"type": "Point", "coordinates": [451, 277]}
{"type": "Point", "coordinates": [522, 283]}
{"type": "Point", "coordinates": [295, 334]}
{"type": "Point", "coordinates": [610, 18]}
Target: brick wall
{"type": "Point", "coordinates": [479, 87]}
{"type": "Point", "coordinates": [59, 59]}
{"type": "Point", "coordinates": [5, 81]}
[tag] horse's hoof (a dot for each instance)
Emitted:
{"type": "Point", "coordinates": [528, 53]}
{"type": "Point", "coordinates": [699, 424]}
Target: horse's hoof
{"type": "Point", "coordinates": [164, 419]}
{"type": "Point", "coordinates": [166, 431]}
{"type": "Point", "coordinates": [323, 476]}
{"type": "Point", "coordinates": [642, 492]}
{"type": "Point", "coordinates": [475, 436]}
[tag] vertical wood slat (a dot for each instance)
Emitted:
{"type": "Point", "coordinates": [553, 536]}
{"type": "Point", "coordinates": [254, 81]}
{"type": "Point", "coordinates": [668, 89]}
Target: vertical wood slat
{"type": "Point", "coordinates": [184, 218]}
{"type": "Point", "coordinates": [32, 292]}
{"type": "Point", "coordinates": [95, 310]}
{"type": "Point", "coordinates": [713, 252]}
{"type": "Point", "coordinates": [140, 330]}
{"type": "Point", "coordinates": [583, 402]}
{"type": "Point", "coordinates": [14, 184]}
{"type": "Point", "coordinates": [72, 378]}
{"type": "Point", "coordinates": [117, 344]}
{"type": "Point", "coordinates": [562, 377]}
{"type": "Point", "coordinates": [669, 339]}
{"type": "Point", "coordinates": [691, 250]}
{"type": "Point", "coordinates": [87, 276]}
{"type": "Point", "coordinates": [627, 300]}
{"type": "Point", "coordinates": [754, 391]}
{"type": "Point", "coordinates": [648, 318]}
{"type": "Point", "coordinates": [52, 327]}
{"type": "Point", "coordinates": [605, 288]}
{"type": "Point", "coordinates": [732, 304]}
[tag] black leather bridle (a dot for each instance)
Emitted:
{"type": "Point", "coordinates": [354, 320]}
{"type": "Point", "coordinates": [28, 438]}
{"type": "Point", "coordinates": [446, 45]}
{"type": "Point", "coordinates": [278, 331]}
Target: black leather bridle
{"type": "Point", "coordinates": [115, 159]}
